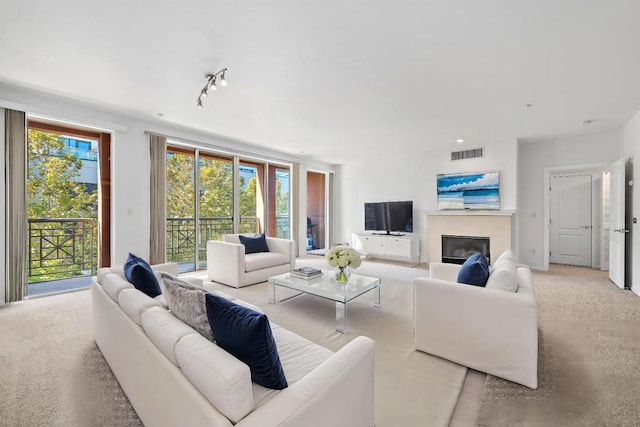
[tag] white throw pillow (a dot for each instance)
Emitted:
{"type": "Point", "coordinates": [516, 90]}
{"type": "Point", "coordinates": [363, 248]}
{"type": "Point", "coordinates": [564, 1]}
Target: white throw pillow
{"type": "Point", "coordinates": [503, 276]}
{"type": "Point", "coordinates": [508, 254]}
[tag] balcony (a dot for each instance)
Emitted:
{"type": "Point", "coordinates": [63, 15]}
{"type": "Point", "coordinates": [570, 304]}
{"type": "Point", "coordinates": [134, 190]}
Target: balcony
{"type": "Point", "coordinates": [62, 254]}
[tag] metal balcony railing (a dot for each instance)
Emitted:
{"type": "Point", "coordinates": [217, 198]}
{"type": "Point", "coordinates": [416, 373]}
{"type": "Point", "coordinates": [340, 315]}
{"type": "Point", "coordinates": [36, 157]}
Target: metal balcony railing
{"type": "Point", "coordinates": [61, 248]}
{"type": "Point", "coordinates": [181, 235]}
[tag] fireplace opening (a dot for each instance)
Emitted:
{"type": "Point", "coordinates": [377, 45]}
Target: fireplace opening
{"type": "Point", "coordinates": [456, 249]}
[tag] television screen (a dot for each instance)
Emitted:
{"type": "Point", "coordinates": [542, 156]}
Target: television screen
{"type": "Point", "coordinates": [400, 216]}
{"type": "Point", "coordinates": [374, 217]}
{"type": "Point", "coordinates": [469, 191]}
{"type": "Point", "coordinates": [389, 216]}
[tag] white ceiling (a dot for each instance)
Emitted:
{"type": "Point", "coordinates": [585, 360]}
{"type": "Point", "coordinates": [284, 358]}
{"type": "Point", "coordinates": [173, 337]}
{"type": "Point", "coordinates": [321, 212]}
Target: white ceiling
{"type": "Point", "coordinates": [338, 79]}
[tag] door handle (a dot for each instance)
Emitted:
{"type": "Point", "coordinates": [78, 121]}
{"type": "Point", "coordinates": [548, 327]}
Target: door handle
{"type": "Point", "coordinates": [586, 226]}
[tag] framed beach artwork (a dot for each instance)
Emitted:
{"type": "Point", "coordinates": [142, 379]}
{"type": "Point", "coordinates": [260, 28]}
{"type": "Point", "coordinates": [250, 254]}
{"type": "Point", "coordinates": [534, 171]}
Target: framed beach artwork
{"type": "Point", "coordinates": [469, 191]}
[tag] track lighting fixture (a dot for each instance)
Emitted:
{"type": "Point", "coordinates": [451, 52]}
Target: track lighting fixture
{"type": "Point", "coordinates": [211, 84]}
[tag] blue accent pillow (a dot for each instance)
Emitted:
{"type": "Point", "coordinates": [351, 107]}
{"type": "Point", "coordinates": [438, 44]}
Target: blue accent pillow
{"type": "Point", "coordinates": [246, 334]}
{"type": "Point", "coordinates": [254, 245]}
{"type": "Point", "coordinates": [139, 273]}
{"type": "Point", "coordinates": [474, 271]}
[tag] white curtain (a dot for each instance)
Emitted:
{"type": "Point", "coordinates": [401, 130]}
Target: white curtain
{"type": "Point", "coordinates": [15, 145]}
{"type": "Point", "coordinates": [158, 236]}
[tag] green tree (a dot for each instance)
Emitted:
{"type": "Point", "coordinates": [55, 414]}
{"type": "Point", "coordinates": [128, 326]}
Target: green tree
{"type": "Point", "coordinates": [179, 182]}
{"type": "Point", "coordinates": [52, 187]}
{"type": "Point", "coordinates": [248, 197]}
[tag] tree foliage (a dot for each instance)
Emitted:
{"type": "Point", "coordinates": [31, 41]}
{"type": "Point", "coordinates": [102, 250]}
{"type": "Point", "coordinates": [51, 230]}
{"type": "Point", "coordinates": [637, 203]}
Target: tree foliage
{"type": "Point", "coordinates": [52, 187]}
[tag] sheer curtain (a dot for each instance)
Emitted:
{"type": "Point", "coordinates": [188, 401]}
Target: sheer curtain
{"type": "Point", "coordinates": [158, 236]}
{"type": "Point", "coordinates": [16, 201]}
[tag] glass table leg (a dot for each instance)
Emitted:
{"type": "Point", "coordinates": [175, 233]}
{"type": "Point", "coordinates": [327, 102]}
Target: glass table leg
{"type": "Point", "coordinates": [376, 297]}
{"type": "Point", "coordinates": [272, 293]}
{"type": "Point", "coordinates": [341, 317]}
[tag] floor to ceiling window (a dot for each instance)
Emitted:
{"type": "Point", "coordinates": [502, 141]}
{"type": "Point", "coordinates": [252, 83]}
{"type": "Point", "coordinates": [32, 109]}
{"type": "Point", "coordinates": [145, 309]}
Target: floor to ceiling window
{"type": "Point", "coordinates": [219, 204]}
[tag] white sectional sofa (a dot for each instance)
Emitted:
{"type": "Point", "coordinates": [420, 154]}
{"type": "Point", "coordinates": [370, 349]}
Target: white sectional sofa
{"type": "Point", "coordinates": [228, 264]}
{"type": "Point", "coordinates": [173, 376]}
{"type": "Point", "coordinates": [489, 330]}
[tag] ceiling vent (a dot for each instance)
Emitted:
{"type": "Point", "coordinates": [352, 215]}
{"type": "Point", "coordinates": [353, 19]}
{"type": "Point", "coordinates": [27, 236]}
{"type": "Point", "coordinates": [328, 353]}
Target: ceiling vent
{"type": "Point", "coordinates": [474, 153]}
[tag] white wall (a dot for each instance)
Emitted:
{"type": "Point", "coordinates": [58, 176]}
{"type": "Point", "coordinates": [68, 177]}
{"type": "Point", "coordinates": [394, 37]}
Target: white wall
{"type": "Point", "coordinates": [397, 175]}
{"type": "Point", "coordinates": [631, 148]}
{"type": "Point", "coordinates": [2, 211]}
{"type": "Point", "coordinates": [130, 164]}
{"type": "Point", "coordinates": [533, 158]}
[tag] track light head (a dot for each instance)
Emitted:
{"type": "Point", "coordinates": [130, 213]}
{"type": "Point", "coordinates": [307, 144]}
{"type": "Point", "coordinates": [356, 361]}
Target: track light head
{"type": "Point", "coordinates": [211, 84]}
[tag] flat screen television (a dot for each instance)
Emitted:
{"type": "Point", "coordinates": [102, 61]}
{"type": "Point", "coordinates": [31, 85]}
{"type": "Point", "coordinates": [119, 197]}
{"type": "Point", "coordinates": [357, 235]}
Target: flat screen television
{"type": "Point", "coordinates": [389, 217]}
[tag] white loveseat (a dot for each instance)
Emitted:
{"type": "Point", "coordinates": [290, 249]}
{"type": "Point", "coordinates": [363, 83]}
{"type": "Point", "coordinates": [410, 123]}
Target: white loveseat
{"type": "Point", "coordinates": [490, 330]}
{"type": "Point", "coordinates": [173, 376]}
{"type": "Point", "coordinates": [228, 264]}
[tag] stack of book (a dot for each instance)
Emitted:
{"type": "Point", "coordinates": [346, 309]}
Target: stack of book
{"type": "Point", "coordinates": [306, 273]}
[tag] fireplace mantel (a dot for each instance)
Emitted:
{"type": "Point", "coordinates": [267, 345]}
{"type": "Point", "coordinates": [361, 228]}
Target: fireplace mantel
{"type": "Point", "coordinates": [497, 225]}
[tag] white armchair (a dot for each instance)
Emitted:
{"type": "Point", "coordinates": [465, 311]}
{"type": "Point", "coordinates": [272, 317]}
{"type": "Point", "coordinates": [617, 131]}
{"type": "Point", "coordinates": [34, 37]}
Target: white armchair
{"type": "Point", "coordinates": [490, 330]}
{"type": "Point", "coordinates": [228, 264]}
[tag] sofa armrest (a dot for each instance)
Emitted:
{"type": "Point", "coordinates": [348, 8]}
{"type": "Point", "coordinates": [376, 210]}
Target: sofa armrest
{"type": "Point", "coordinates": [284, 246]}
{"type": "Point", "coordinates": [167, 267]}
{"type": "Point", "coordinates": [225, 261]}
{"type": "Point", "coordinates": [444, 271]}
{"type": "Point", "coordinates": [339, 392]}
{"type": "Point", "coordinates": [489, 330]}
{"type": "Point", "coordinates": [195, 281]}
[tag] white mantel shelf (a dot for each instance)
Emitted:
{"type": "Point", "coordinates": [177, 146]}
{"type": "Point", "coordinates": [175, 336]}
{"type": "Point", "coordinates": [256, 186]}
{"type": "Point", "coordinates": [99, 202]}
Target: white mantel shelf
{"type": "Point", "coordinates": [469, 213]}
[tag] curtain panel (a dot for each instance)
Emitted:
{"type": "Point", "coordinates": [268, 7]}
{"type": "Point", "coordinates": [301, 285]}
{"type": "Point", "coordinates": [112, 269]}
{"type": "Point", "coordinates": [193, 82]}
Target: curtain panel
{"type": "Point", "coordinates": [158, 220]}
{"type": "Point", "coordinates": [295, 207]}
{"type": "Point", "coordinates": [16, 204]}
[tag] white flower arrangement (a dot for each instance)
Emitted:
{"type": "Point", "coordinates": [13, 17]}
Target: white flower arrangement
{"type": "Point", "coordinates": [343, 256]}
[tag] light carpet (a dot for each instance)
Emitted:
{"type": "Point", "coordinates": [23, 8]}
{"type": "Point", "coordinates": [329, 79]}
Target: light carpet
{"type": "Point", "coordinates": [53, 374]}
{"type": "Point", "coordinates": [588, 370]}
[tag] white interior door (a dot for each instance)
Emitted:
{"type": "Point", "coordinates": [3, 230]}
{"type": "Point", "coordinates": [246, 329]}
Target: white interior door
{"type": "Point", "coordinates": [618, 231]}
{"type": "Point", "coordinates": [570, 216]}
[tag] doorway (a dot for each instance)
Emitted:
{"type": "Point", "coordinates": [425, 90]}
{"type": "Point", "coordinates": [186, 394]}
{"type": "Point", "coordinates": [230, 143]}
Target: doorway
{"type": "Point", "coordinates": [574, 204]}
{"type": "Point", "coordinates": [316, 212]}
{"type": "Point", "coordinates": [68, 206]}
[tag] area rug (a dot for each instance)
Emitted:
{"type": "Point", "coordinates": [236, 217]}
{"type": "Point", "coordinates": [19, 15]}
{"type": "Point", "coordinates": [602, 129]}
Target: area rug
{"type": "Point", "coordinates": [53, 374]}
{"type": "Point", "coordinates": [589, 337]}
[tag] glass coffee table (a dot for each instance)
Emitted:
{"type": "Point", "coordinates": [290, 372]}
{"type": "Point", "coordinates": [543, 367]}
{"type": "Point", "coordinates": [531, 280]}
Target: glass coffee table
{"type": "Point", "coordinates": [327, 287]}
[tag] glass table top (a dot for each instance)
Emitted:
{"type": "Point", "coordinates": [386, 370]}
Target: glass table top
{"type": "Point", "coordinates": [327, 286]}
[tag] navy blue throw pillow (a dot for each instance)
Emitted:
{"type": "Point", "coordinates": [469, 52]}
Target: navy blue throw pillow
{"type": "Point", "coordinates": [474, 271]}
{"type": "Point", "coordinates": [139, 273]}
{"type": "Point", "coordinates": [254, 245]}
{"type": "Point", "coordinates": [246, 334]}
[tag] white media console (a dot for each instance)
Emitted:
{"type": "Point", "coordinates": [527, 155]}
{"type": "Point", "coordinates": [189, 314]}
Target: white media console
{"type": "Point", "coordinates": [401, 248]}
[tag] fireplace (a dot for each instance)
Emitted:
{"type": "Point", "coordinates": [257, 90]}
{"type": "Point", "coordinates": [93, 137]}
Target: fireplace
{"type": "Point", "coordinates": [456, 249]}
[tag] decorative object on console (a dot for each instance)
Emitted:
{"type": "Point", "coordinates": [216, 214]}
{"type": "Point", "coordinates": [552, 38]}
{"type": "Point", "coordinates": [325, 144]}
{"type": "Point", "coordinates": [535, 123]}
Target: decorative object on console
{"type": "Point", "coordinates": [469, 191]}
{"type": "Point", "coordinates": [343, 257]}
{"type": "Point", "coordinates": [139, 273]}
{"type": "Point", "coordinates": [246, 335]}
{"type": "Point", "coordinates": [474, 271]}
{"type": "Point", "coordinates": [211, 84]}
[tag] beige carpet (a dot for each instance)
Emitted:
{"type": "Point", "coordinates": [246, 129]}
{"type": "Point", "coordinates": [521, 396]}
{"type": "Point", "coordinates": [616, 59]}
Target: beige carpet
{"type": "Point", "coordinates": [589, 363]}
{"type": "Point", "coordinates": [52, 373]}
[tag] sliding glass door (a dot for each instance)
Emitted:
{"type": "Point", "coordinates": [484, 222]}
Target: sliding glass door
{"type": "Point", "coordinates": [202, 201]}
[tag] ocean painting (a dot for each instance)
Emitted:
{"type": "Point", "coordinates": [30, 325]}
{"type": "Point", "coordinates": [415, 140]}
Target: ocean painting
{"type": "Point", "coordinates": [469, 191]}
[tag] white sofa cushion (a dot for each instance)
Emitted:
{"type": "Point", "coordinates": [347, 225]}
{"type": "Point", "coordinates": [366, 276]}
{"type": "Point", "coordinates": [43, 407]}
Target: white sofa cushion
{"type": "Point", "coordinates": [508, 254]}
{"type": "Point", "coordinates": [134, 303]}
{"type": "Point", "coordinates": [503, 276]}
{"type": "Point", "coordinates": [113, 284]}
{"type": "Point", "coordinates": [298, 356]}
{"type": "Point", "coordinates": [165, 330]}
{"type": "Point", "coordinates": [186, 302]}
{"type": "Point", "coordinates": [261, 260]}
{"type": "Point", "coordinates": [221, 378]}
